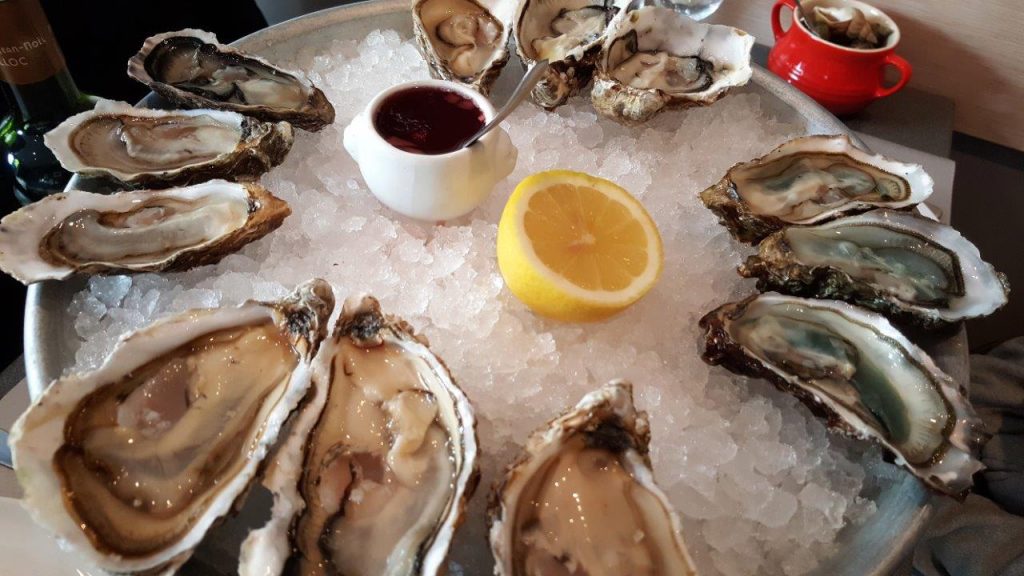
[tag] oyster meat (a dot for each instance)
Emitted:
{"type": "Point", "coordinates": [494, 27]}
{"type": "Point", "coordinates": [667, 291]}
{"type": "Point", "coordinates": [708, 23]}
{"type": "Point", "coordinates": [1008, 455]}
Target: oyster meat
{"type": "Point", "coordinates": [811, 180]}
{"type": "Point", "coordinates": [139, 231]}
{"type": "Point", "coordinates": [582, 498]}
{"type": "Point", "coordinates": [132, 463]}
{"type": "Point", "coordinates": [655, 58]}
{"type": "Point", "coordinates": [566, 33]}
{"type": "Point", "coordinates": [376, 471]}
{"type": "Point", "coordinates": [849, 26]}
{"type": "Point", "coordinates": [853, 367]}
{"type": "Point", "coordinates": [140, 147]}
{"type": "Point", "coordinates": [464, 40]}
{"type": "Point", "coordinates": [890, 261]}
{"type": "Point", "coordinates": [192, 69]}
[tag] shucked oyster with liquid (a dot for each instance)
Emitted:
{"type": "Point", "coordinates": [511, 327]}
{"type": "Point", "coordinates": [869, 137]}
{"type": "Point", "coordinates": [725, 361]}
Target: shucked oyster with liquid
{"type": "Point", "coordinates": [566, 33]}
{"type": "Point", "coordinates": [192, 69]}
{"type": "Point", "coordinates": [582, 498]}
{"type": "Point", "coordinates": [890, 261]}
{"type": "Point", "coordinates": [855, 369]}
{"type": "Point", "coordinates": [464, 40]}
{"type": "Point", "coordinates": [375, 473]}
{"type": "Point", "coordinates": [655, 58]}
{"type": "Point", "coordinates": [132, 463]}
{"type": "Point", "coordinates": [139, 231]}
{"type": "Point", "coordinates": [811, 180]}
{"type": "Point", "coordinates": [141, 147]}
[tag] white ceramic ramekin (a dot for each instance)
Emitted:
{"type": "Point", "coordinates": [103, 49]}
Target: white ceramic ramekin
{"type": "Point", "coordinates": [430, 186]}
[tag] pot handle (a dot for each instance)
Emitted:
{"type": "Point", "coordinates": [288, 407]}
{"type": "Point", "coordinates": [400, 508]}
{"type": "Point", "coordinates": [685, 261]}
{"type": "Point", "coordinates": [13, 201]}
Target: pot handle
{"type": "Point", "coordinates": [776, 16]}
{"type": "Point", "coordinates": [906, 71]}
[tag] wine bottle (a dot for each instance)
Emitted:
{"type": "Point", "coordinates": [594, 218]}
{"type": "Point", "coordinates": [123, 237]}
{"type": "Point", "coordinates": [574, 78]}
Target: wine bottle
{"type": "Point", "coordinates": [40, 94]}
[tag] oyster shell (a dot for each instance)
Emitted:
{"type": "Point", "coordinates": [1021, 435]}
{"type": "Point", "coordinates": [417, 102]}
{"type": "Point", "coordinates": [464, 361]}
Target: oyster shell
{"type": "Point", "coordinates": [192, 69]}
{"type": "Point", "coordinates": [132, 463]}
{"type": "Point", "coordinates": [855, 369]}
{"type": "Point", "coordinates": [377, 469]}
{"type": "Point", "coordinates": [140, 231]}
{"type": "Point", "coordinates": [889, 261]}
{"type": "Point", "coordinates": [655, 58]}
{"type": "Point", "coordinates": [811, 180]}
{"type": "Point", "coordinates": [850, 27]}
{"type": "Point", "coordinates": [464, 40]}
{"type": "Point", "coordinates": [566, 33]}
{"type": "Point", "coordinates": [140, 147]}
{"type": "Point", "coordinates": [582, 498]}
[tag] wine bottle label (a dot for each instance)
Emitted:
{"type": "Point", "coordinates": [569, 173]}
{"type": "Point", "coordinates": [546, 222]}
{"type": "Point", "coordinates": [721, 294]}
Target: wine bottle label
{"type": "Point", "coordinates": [28, 51]}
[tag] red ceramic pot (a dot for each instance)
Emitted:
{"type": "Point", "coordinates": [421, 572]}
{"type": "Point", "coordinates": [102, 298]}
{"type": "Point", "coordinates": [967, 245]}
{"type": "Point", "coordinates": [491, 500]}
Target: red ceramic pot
{"type": "Point", "coordinates": [843, 80]}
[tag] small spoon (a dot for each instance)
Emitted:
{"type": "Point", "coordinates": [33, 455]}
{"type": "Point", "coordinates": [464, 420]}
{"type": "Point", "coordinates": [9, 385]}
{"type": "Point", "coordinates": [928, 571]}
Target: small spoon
{"type": "Point", "coordinates": [518, 95]}
{"type": "Point", "coordinates": [803, 16]}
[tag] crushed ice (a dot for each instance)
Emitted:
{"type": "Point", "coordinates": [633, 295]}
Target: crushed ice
{"type": "Point", "coordinates": [762, 488]}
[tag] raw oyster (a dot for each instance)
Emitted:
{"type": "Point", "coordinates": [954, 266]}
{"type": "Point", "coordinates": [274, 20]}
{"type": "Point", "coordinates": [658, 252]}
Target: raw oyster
{"type": "Point", "coordinates": [849, 26]}
{"type": "Point", "coordinates": [376, 471]}
{"type": "Point", "coordinates": [192, 69]}
{"type": "Point", "coordinates": [582, 498]}
{"type": "Point", "coordinates": [855, 369]}
{"type": "Point", "coordinates": [889, 261]}
{"type": "Point", "coordinates": [132, 463]}
{"type": "Point", "coordinates": [464, 40]}
{"type": "Point", "coordinates": [137, 231]}
{"type": "Point", "coordinates": [655, 57]}
{"type": "Point", "coordinates": [141, 147]}
{"type": "Point", "coordinates": [811, 180]}
{"type": "Point", "coordinates": [566, 33]}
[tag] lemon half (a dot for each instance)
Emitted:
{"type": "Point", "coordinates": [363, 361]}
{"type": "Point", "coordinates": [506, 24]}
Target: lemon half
{"type": "Point", "coordinates": [576, 247]}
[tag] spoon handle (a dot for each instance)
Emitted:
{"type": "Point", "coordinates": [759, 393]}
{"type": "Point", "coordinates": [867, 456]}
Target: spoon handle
{"type": "Point", "coordinates": [803, 17]}
{"type": "Point", "coordinates": [530, 80]}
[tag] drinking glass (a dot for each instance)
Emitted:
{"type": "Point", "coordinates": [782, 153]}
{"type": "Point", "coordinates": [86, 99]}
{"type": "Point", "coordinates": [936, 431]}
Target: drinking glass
{"type": "Point", "coordinates": [698, 9]}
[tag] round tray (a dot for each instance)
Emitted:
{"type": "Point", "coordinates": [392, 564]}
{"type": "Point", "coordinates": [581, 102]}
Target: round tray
{"type": "Point", "coordinates": [875, 548]}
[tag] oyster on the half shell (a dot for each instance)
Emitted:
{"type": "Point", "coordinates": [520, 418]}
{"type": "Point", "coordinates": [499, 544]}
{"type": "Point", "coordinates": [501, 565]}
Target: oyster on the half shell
{"type": "Point", "coordinates": [655, 58]}
{"type": "Point", "coordinates": [132, 463]}
{"type": "Point", "coordinates": [582, 498]}
{"type": "Point", "coordinates": [139, 231]}
{"type": "Point", "coordinates": [375, 473]}
{"type": "Point", "coordinates": [140, 147]}
{"type": "Point", "coordinates": [464, 40]}
{"type": "Point", "coordinates": [566, 33]}
{"type": "Point", "coordinates": [893, 262]}
{"type": "Point", "coordinates": [858, 371]}
{"type": "Point", "coordinates": [192, 69]}
{"type": "Point", "coordinates": [811, 180]}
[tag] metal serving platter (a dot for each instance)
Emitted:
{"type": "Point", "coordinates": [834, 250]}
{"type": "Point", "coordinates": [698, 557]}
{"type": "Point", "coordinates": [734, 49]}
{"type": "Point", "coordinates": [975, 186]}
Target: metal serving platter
{"type": "Point", "coordinates": [876, 548]}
